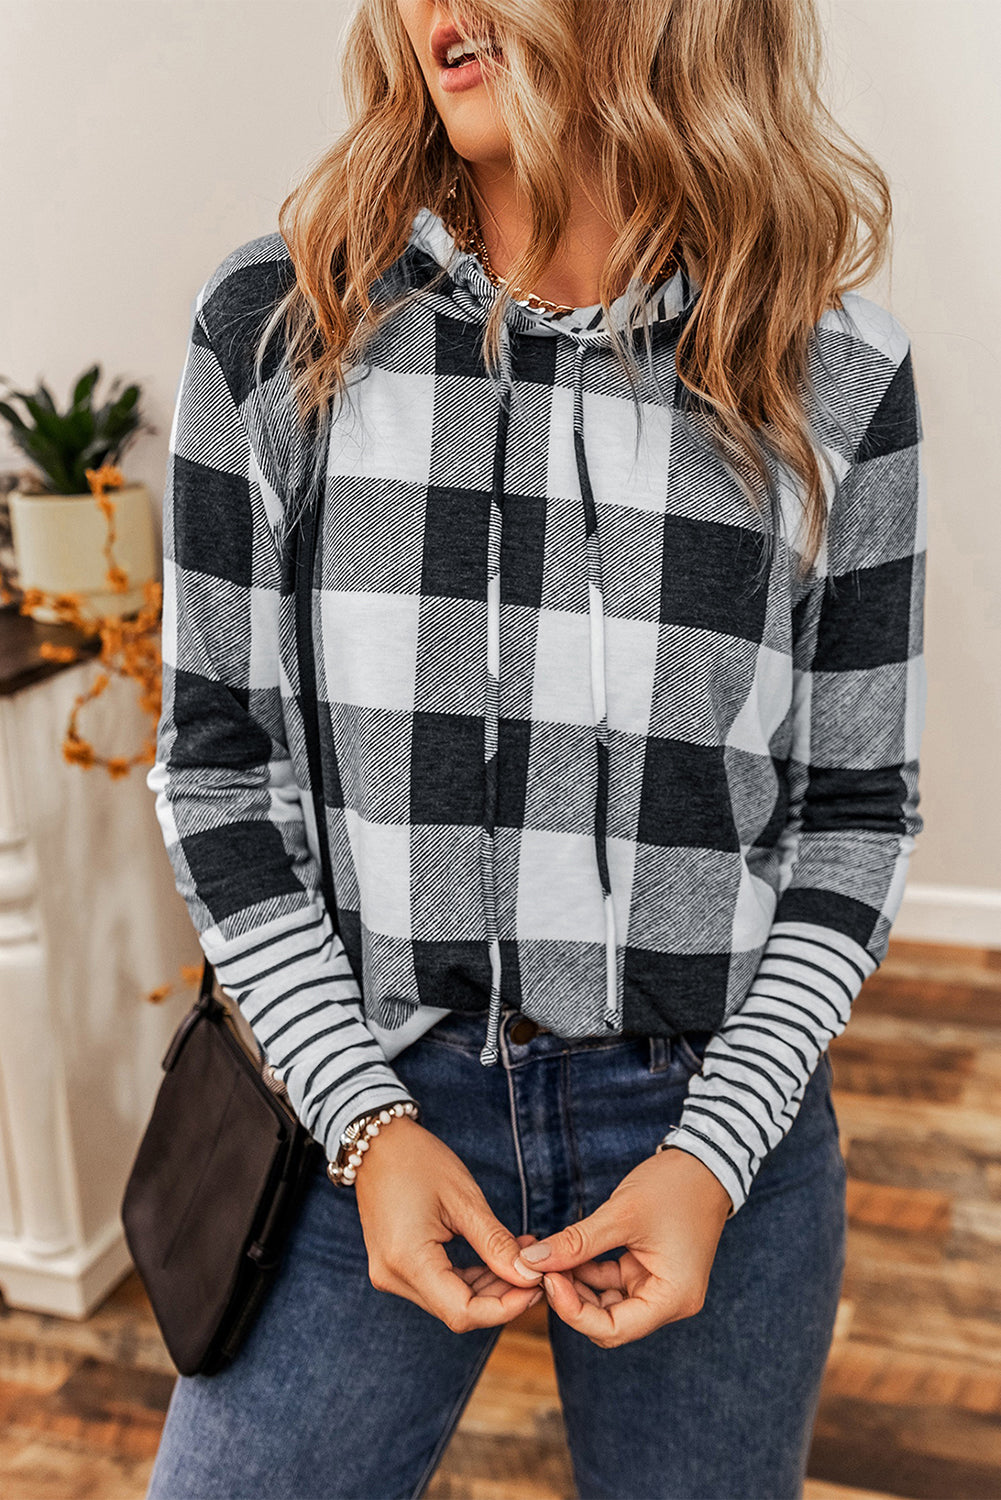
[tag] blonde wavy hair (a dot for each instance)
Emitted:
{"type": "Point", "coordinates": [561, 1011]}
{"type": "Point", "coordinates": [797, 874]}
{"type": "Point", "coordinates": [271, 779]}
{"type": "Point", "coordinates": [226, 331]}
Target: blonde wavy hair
{"type": "Point", "coordinates": [711, 138]}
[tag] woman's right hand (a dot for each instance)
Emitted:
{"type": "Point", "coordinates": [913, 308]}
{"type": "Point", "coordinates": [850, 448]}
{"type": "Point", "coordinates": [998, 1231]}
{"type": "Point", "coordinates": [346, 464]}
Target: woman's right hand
{"type": "Point", "coordinates": [414, 1195]}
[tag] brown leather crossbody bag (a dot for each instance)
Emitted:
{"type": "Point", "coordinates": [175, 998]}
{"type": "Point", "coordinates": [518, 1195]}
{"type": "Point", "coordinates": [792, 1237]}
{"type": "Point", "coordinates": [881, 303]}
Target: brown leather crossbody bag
{"type": "Point", "coordinates": [213, 1189]}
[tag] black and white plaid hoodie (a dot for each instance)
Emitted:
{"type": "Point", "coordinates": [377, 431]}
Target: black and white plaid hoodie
{"type": "Point", "coordinates": [588, 748]}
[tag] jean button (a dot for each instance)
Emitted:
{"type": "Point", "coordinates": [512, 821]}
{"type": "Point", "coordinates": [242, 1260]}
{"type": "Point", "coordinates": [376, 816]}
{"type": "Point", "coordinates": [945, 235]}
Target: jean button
{"type": "Point", "coordinates": [523, 1030]}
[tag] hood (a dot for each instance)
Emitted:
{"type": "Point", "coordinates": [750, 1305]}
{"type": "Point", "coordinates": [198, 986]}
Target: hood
{"type": "Point", "coordinates": [468, 294]}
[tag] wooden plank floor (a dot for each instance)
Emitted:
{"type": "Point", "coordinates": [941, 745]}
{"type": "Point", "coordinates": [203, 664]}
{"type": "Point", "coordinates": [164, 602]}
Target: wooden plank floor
{"type": "Point", "coordinates": [911, 1403]}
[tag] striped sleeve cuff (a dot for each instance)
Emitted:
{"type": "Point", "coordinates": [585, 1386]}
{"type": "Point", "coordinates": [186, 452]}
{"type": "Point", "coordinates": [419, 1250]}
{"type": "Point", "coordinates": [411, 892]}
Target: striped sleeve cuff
{"type": "Point", "coordinates": [294, 984]}
{"type": "Point", "coordinates": [757, 1065]}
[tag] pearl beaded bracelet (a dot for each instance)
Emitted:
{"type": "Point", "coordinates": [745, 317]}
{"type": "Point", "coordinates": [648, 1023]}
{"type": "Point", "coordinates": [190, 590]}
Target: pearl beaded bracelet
{"type": "Point", "coordinates": [355, 1138]}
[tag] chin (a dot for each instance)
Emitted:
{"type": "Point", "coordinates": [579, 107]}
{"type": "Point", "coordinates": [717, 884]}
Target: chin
{"type": "Point", "coordinates": [479, 142]}
{"type": "Point", "coordinates": [474, 126]}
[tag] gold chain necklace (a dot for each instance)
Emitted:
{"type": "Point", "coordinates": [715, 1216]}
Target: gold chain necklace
{"type": "Point", "coordinates": [470, 239]}
{"type": "Point", "coordinates": [531, 300]}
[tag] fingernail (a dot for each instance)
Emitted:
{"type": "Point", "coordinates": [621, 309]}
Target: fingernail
{"type": "Point", "coordinates": [547, 1282]}
{"type": "Point", "coordinates": [519, 1265]}
{"type": "Point", "coordinates": [535, 1252]}
{"type": "Point", "coordinates": [535, 1297]}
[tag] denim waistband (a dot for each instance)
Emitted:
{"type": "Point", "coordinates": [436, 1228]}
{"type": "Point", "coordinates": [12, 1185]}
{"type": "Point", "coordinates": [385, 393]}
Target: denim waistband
{"type": "Point", "coordinates": [464, 1031]}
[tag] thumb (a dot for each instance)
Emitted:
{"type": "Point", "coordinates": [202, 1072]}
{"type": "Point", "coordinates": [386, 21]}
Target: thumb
{"type": "Point", "coordinates": [496, 1245]}
{"type": "Point", "coordinates": [602, 1230]}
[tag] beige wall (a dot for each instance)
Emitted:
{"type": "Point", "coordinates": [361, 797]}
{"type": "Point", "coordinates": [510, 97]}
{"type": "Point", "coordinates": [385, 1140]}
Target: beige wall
{"type": "Point", "coordinates": [140, 140]}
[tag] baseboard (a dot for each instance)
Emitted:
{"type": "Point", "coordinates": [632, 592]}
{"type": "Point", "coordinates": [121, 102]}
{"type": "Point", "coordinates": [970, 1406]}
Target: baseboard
{"type": "Point", "coordinates": [70, 1285]}
{"type": "Point", "coordinates": [968, 915]}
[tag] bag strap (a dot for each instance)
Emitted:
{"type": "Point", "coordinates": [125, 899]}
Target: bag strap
{"type": "Point", "coordinates": [303, 539]}
{"type": "Point", "coordinates": [207, 1000]}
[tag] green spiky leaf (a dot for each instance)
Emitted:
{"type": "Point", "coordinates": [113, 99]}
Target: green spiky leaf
{"type": "Point", "coordinates": [84, 387]}
{"type": "Point", "coordinates": [64, 444]}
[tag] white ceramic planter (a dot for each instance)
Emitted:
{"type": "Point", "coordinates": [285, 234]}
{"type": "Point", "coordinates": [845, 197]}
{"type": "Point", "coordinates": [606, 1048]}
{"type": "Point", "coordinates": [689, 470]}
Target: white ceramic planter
{"type": "Point", "coordinates": [59, 546]}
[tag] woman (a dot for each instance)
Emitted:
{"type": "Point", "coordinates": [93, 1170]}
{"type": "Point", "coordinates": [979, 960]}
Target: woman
{"type": "Point", "coordinates": [617, 620]}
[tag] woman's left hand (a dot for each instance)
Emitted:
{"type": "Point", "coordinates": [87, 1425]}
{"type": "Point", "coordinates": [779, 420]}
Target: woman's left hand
{"type": "Point", "coordinates": [669, 1213]}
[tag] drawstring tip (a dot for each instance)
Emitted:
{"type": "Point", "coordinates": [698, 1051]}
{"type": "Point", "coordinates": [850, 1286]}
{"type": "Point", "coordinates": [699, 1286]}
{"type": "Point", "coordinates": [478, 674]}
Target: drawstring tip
{"type": "Point", "coordinates": [611, 968]}
{"type": "Point", "coordinates": [490, 1051]}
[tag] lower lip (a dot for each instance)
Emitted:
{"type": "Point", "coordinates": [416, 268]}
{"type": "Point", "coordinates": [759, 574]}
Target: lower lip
{"type": "Point", "coordinates": [457, 80]}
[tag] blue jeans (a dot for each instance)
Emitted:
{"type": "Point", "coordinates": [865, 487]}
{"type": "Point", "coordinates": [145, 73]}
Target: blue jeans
{"type": "Point", "coordinates": [342, 1392]}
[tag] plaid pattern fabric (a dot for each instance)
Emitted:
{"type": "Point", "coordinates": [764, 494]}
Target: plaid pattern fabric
{"type": "Point", "coordinates": [583, 752]}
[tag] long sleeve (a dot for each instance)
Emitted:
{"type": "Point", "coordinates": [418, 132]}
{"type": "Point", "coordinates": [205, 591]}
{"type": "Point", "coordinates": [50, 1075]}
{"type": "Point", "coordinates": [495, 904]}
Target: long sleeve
{"type": "Point", "coordinates": [226, 798]}
{"type": "Point", "coordinates": [858, 713]}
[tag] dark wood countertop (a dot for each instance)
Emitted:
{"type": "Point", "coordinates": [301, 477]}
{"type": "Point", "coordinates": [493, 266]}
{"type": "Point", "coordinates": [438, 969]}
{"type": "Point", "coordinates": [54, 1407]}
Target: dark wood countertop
{"type": "Point", "coordinates": [20, 637]}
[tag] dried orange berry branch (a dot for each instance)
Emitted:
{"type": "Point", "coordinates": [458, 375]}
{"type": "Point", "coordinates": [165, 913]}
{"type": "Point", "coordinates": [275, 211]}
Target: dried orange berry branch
{"type": "Point", "coordinates": [191, 974]}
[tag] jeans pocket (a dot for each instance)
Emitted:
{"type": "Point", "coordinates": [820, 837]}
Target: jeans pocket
{"type": "Point", "coordinates": [689, 1053]}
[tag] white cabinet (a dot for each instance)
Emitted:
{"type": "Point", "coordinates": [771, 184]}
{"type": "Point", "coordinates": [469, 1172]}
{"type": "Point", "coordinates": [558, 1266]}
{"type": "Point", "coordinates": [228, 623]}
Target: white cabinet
{"type": "Point", "coordinates": [89, 922]}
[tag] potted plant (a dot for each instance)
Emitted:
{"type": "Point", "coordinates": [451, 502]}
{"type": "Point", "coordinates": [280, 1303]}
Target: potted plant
{"type": "Point", "coordinates": [58, 519]}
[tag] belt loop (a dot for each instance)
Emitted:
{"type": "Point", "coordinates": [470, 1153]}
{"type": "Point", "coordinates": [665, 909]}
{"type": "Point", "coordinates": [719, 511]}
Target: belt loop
{"type": "Point", "coordinates": [659, 1055]}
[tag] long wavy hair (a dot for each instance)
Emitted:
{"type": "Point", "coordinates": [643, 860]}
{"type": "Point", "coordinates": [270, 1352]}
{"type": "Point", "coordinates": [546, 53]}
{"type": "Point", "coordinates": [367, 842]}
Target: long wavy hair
{"type": "Point", "coordinates": [711, 139]}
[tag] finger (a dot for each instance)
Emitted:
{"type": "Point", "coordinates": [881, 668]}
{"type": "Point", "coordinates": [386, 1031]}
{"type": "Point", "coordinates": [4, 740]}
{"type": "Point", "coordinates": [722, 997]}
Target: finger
{"type": "Point", "coordinates": [484, 1282]}
{"type": "Point", "coordinates": [475, 1276]}
{"type": "Point", "coordinates": [446, 1295]}
{"type": "Point", "coordinates": [571, 1247]}
{"type": "Point", "coordinates": [584, 1292]}
{"type": "Point", "coordinates": [619, 1322]}
{"type": "Point", "coordinates": [481, 1308]}
{"type": "Point", "coordinates": [600, 1274]}
{"type": "Point", "coordinates": [588, 1294]}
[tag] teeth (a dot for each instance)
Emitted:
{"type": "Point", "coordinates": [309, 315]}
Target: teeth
{"type": "Point", "coordinates": [465, 49]}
